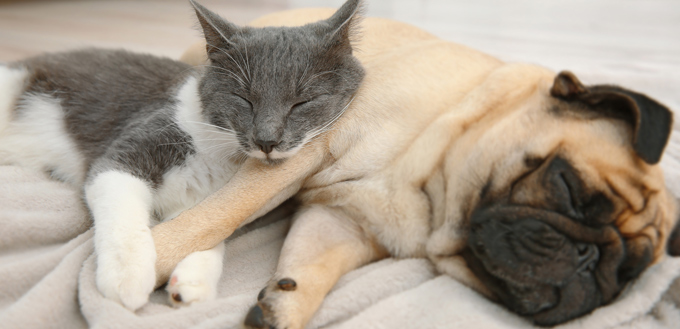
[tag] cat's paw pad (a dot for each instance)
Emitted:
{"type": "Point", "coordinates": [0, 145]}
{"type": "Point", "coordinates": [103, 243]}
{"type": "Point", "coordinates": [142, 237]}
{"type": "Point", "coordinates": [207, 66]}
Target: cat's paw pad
{"type": "Point", "coordinates": [275, 308]}
{"type": "Point", "coordinates": [195, 278]}
{"type": "Point", "coordinates": [185, 289]}
{"type": "Point", "coordinates": [128, 278]}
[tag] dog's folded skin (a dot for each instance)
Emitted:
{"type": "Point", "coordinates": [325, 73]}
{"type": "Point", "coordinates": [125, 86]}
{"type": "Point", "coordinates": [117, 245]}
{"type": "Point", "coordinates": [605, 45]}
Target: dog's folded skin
{"type": "Point", "coordinates": [533, 189]}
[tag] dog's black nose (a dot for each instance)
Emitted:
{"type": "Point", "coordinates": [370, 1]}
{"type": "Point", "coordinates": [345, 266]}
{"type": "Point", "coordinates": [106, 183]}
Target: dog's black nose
{"type": "Point", "coordinates": [266, 146]}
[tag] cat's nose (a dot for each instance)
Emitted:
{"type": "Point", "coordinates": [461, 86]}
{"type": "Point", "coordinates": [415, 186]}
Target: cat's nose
{"type": "Point", "coordinates": [266, 146]}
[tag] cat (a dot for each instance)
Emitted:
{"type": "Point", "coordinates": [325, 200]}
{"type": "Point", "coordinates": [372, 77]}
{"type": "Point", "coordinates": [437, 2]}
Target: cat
{"type": "Point", "coordinates": [148, 137]}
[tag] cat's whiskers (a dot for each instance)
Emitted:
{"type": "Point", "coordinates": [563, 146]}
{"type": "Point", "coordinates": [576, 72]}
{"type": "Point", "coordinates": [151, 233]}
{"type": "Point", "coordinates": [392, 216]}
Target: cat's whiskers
{"type": "Point", "coordinates": [169, 144]}
{"type": "Point", "coordinates": [223, 129]}
{"type": "Point", "coordinates": [217, 132]}
{"type": "Point", "coordinates": [227, 141]}
{"type": "Point", "coordinates": [164, 129]}
{"type": "Point", "coordinates": [193, 142]}
{"type": "Point", "coordinates": [228, 73]}
{"type": "Point", "coordinates": [236, 77]}
{"type": "Point", "coordinates": [245, 46]}
{"type": "Point", "coordinates": [213, 136]}
{"type": "Point", "coordinates": [302, 77]}
{"type": "Point", "coordinates": [235, 156]}
{"type": "Point", "coordinates": [212, 141]}
{"type": "Point", "coordinates": [328, 125]}
{"type": "Point", "coordinates": [168, 130]}
{"type": "Point", "coordinates": [244, 61]}
{"type": "Point", "coordinates": [218, 148]}
{"type": "Point", "coordinates": [319, 131]}
{"type": "Point", "coordinates": [238, 156]}
{"type": "Point", "coordinates": [218, 152]}
{"type": "Point", "coordinates": [232, 59]}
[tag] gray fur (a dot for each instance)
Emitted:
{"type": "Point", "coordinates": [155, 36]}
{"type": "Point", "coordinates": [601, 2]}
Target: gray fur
{"type": "Point", "coordinates": [115, 104]}
{"type": "Point", "coordinates": [278, 84]}
{"type": "Point", "coordinates": [265, 84]}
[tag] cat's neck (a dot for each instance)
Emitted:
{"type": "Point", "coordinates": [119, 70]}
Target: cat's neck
{"type": "Point", "coordinates": [209, 140]}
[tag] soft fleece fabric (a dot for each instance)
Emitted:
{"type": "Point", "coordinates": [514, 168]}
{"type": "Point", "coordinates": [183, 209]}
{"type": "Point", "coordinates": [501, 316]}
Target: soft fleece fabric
{"type": "Point", "coordinates": [47, 278]}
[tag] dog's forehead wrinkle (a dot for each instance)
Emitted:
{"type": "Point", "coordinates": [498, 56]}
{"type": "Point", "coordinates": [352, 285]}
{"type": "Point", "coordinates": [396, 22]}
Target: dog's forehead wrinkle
{"type": "Point", "coordinates": [533, 160]}
{"type": "Point", "coordinates": [629, 191]}
{"type": "Point", "coordinates": [616, 180]}
{"type": "Point", "coordinates": [558, 221]}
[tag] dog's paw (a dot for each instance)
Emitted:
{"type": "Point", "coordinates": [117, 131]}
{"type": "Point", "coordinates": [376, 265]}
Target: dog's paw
{"type": "Point", "coordinates": [278, 307]}
{"type": "Point", "coordinates": [195, 278]}
{"type": "Point", "coordinates": [127, 275]}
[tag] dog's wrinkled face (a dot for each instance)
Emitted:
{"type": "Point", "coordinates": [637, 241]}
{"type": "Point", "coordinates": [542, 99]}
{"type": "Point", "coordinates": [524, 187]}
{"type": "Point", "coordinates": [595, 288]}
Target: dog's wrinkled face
{"type": "Point", "coordinates": [573, 209]}
{"type": "Point", "coordinates": [549, 247]}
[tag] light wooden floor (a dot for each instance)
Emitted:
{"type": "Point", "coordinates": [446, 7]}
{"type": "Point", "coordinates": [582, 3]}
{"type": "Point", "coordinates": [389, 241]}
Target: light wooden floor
{"type": "Point", "coordinates": [632, 43]}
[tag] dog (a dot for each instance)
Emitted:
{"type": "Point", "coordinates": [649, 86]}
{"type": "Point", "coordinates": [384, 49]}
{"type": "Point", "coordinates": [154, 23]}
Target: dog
{"type": "Point", "coordinates": [535, 190]}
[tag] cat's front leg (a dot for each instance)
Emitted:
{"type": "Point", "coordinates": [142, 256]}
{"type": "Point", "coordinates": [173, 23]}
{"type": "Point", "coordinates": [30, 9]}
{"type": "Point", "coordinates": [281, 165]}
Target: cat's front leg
{"type": "Point", "coordinates": [322, 245]}
{"type": "Point", "coordinates": [253, 190]}
{"type": "Point", "coordinates": [121, 206]}
{"type": "Point", "coordinates": [195, 278]}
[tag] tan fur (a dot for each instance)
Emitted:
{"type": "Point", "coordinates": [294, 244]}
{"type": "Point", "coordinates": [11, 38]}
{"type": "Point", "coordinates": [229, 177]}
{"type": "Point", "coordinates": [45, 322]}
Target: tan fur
{"type": "Point", "coordinates": [432, 122]}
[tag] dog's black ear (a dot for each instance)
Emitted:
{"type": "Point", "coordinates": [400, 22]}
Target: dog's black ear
{"type": "Point", "coordinates": [567, 86]}
{"type": "Point", "coordinates": [651, 121]}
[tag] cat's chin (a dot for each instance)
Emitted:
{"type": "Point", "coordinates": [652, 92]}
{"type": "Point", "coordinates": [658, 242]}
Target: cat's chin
{"type": "Point", "coordinates": [268, 159]}
{"type": "Point", "coordinates": [273, 162]}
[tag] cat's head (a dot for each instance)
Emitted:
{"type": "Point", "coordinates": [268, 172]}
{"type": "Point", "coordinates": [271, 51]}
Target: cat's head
{"type": "Point", "coordinates": [278, 87]}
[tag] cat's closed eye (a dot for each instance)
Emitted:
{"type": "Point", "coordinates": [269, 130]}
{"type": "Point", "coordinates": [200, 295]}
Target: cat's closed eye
{"type": "Point", "coordinates": [308, 101]}
{"type": "Point", "coordinates": [300, 104]}
{"type": "Point", "coordinates": [242, 102]}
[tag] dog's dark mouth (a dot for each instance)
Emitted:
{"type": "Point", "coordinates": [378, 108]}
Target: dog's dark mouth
{"type": "Point", "coordinates": [537, 271]}
{"type": "Point", "coordinates": [548, 246]}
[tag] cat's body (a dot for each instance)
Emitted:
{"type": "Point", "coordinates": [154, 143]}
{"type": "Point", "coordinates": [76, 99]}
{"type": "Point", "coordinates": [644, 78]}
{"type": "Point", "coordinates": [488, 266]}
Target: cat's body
{"type": "Point", "coordinates": [137, 114]}
{"type": "Point", "coordinates": [136, 139]}
{"type": "Point", "coordinates": [149, 137]}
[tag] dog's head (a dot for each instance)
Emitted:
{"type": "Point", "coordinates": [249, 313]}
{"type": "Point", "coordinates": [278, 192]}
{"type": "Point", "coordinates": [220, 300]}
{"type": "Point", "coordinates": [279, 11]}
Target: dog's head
{"type": "Point", "coordinates": [561, 201]}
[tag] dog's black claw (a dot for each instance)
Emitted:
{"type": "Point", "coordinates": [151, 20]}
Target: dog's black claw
{"type": "Point", "coordinates": [255, 318]}
{"type": "Point", "coordinates": [261, 294]}
{"type": "Point", "coordinates": [287, 284]}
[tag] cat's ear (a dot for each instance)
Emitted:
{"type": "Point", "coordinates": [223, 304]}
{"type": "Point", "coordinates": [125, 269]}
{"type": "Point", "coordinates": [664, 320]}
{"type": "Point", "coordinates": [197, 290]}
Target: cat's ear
{"type": "Point", "coordinates": [217, 30]}
{"type": "Point", "coordinates": [342, 26]}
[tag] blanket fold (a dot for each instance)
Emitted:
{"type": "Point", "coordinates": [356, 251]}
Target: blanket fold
{"type": "Point", "coordinates": [47, 267]}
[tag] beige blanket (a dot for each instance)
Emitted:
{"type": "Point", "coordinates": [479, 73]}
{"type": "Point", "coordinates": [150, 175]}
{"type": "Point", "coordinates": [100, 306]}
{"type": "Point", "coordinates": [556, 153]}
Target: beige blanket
{"type": "Point", "coordinates": [47, 278]}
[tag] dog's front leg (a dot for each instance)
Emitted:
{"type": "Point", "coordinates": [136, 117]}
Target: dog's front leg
{"type": "Point", "coordinates": [322, 245]}
{"type": "Point", "coordinates": [255, 189]}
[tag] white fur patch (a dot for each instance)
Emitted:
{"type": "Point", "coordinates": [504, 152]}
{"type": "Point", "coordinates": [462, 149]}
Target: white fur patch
{"type": "Point", "coordinates": [11, 86]}
{"type": "Point", "coordinates": [37, 138]}
{"type": "Point", "coordinates": [195, 278]}
{"type": "Point", "coordinates": [278, 155]}
{"type": "Point", "coordinates": [206, 171]}
{"type": "Point", "coordinates": [126, 255]}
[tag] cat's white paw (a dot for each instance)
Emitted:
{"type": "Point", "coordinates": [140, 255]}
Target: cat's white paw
{"type": "Point", "coordinates": [128, 274]}
{"type": "Point", "coordinates": [195, 278]}
{"type": "Point", "coordinates": [126, 254]}
{"type": "Point", "coordinates": [184, 291]}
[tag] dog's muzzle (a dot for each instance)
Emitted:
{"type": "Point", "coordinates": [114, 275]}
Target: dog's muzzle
{"type": "Point", "coordinates": [543, 265]}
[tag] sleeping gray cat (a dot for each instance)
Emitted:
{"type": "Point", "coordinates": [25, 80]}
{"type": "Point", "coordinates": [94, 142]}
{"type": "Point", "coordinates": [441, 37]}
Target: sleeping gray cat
{"type": "Point", "coordinates": [148, 137]}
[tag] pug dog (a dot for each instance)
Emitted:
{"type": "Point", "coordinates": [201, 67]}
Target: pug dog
{"type": "Point", "coordinates": [539, 192]}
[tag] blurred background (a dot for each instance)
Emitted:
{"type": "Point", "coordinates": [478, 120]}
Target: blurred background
{"type": "Point", "coordinates": [633, 43]}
